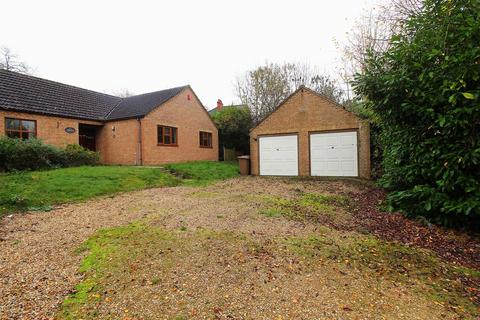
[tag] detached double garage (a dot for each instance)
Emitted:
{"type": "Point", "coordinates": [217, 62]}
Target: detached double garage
{"type": "Point", "coordinates": [309, 135]}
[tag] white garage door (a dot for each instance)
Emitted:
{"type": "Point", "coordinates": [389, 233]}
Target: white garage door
{"type": "Point", "coordinates": [278, 155]}
{"type": "Point", "coordinates": [334, 154]}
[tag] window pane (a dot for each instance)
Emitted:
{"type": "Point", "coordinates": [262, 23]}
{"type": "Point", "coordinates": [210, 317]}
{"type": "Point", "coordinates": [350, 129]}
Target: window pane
{"type": "Point", "coordinates": [205, 139]}
{"type": "Point", "coordinates": [13, 124]}
{"type": "Point", "coordinates": [166, 139]}
{"type": "Point", "coordinates": [30, 135]}
{"type": "Point", "coordinates": [28, 125]}
{"type": "Point", "coordinates": [174, 135]}
{"type": "Point", "coordinates": [166, 131]}
{"type": "Point", "coordinates": [24, 135]}
{"type": "Point", "coordinates": [159, 134]}
{"type": "Point", "coordinates": [13, 134]}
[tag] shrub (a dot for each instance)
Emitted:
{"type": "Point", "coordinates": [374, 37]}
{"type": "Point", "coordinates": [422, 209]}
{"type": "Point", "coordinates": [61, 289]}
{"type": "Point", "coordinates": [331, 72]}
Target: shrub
{"type": "Point", "coordinates": [33, 154]}
{"type": "Point", "coordinates": [76, 155]}
{"type": "Point", "coordinates": [425, 91]}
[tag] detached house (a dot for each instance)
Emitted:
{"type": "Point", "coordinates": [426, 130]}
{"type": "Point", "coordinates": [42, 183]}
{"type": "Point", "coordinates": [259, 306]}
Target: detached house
{"type": "Point", "coordinates": [164, 126]}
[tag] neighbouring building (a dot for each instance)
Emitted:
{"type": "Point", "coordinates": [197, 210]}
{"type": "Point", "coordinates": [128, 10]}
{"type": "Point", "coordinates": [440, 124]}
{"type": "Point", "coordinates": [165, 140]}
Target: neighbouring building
{"type": "Point", "coordinates": [159, 127]}
{"type": "Point", "coordinates": [310, 135]}
{"type": "Point", "coordinates": [221, 107]}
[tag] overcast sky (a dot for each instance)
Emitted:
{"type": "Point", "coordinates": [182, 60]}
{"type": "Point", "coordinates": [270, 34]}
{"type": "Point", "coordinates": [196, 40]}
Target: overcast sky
{"type": "Point", "coordinates": [152, 45]}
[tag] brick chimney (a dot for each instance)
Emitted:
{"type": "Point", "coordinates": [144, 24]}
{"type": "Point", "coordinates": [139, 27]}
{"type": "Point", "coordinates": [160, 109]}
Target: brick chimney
{"type": "Point", "coordinates": [219, 105]}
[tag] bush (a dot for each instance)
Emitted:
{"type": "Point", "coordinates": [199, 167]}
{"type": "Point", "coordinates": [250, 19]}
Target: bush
{"type": "Point", "coordinates": [76, 155]}
{"type": "Point", "coordinates": [425, 91]}
{"type": "Point", "coordinates": [33, 154]}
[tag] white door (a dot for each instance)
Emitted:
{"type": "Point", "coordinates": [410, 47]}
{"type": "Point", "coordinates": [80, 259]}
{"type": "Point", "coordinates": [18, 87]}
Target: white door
{"type": "Point", "coordinates": [334, 154]}
{"type": "Point", "coordinates": [278, 155]}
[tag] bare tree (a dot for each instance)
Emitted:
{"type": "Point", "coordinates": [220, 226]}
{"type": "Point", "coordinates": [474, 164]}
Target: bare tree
{"type": "Point", "coordinates": [263, 88]}
{"type": "Point", "coordinates": [372, 33]}
{"type": "Point", "coordinates": [303, 74]}
{"type": "Point", "coordinates": [399, 10]}
{"type": "Point", "coordinates": [123, 93]}
{"type": "Point", "coordinates": [9, 61]}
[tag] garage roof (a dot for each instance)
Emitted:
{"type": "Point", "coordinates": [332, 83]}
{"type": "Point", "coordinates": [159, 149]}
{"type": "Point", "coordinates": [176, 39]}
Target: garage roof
{"type": "Point", "coordinates": [302, 87]}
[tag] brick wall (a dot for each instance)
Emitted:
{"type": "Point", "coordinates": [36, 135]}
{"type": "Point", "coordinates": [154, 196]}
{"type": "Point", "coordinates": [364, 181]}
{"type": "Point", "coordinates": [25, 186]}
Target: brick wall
{"type": "Point", "coordinates": [307, 112]}
{"type": "Point", "coordinates": [50, 129]}
{"type": "Point", "coordinates": [190, 118]}
{"type": "Point", "coordinates": [117, 142]}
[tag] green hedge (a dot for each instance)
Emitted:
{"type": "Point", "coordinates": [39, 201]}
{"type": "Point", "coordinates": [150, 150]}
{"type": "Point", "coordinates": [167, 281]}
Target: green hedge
{"type": "Point", "coordinates": [33, 154]}
{"type": "Point", "coordinates": [425, 92]}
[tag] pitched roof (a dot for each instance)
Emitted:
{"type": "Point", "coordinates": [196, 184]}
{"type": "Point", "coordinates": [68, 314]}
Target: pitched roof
{"type": "Point", "coordinates": [140, 105]}
{"type": "Point", "coordinates": [301, 88]}
{"type": "Point", "coordinates": [25, 93]}
{"type": "Point", "coordinates": [238, 106]}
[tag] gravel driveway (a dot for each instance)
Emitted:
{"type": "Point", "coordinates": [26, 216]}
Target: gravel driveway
{"type": "Point", "coordinates": [39, 266]}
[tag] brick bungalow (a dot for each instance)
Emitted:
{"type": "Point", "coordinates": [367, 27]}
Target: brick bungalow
{"type": "Point", "coordinates": [159, 127]}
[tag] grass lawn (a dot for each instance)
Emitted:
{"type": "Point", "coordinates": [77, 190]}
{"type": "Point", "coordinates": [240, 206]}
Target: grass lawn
{"type": "Point", "coordinates": [39, 190]}
{"type": "Point", "coordinates": [201, 173]}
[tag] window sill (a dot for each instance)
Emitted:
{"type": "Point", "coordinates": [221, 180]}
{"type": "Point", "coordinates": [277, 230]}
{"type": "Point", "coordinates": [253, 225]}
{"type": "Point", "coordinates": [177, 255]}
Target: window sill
{"type": "Point", "coordinates": [205, 147]}
{"type": "Point", "coordinates": [166, 145]}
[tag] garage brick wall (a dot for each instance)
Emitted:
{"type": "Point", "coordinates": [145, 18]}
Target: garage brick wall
{"type": "Point", "coordinates": [305, 112]}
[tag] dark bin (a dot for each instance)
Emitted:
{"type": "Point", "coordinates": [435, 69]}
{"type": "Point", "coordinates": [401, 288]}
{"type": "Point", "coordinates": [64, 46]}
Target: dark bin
{"type": "Point", "coordinates": [244, 163]}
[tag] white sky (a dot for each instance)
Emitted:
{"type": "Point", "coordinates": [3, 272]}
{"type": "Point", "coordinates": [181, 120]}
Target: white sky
{"type": "Point", "coordinates": [152, 45]}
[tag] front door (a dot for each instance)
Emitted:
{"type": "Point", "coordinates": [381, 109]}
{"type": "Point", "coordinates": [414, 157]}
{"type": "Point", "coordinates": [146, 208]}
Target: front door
{"type": "Point", "coordinates": [86, 136]}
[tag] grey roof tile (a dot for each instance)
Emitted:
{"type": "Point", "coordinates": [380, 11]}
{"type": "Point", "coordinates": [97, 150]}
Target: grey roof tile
{"type": "Point", "coordinates": [140, 105]}
{"type": "Point", "coordinates": [25, 93]}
